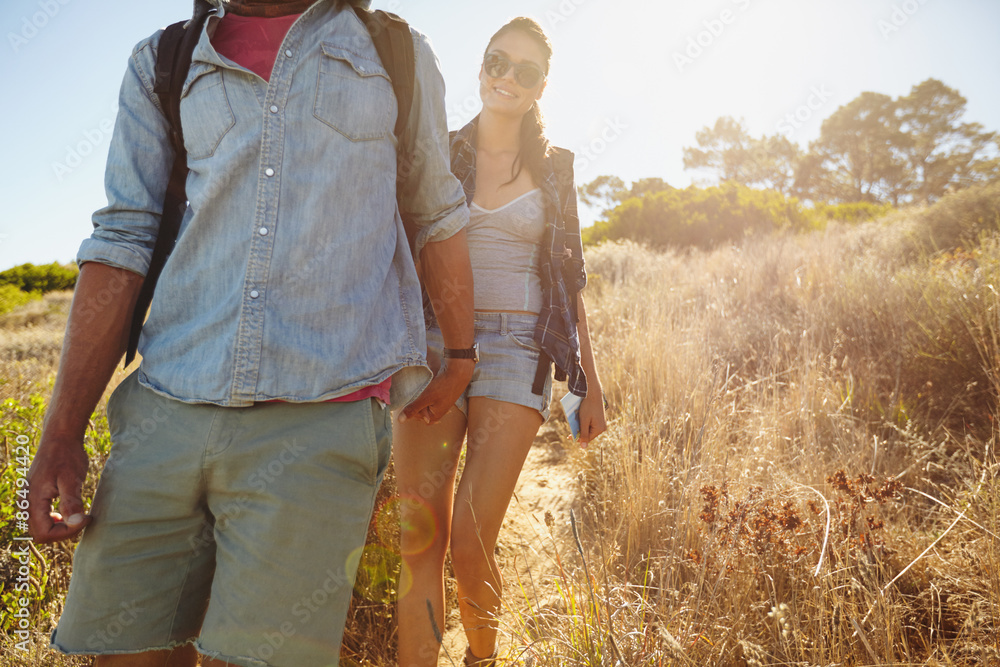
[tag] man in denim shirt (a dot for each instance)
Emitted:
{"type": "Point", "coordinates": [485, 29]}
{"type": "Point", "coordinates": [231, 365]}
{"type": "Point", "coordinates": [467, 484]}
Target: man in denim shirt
{"type": "Point", "coordinates": [249, 444]}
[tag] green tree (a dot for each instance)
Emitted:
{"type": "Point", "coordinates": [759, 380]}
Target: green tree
{"type": "Point", "coordinates": [724, 150]}
{"type": "Point", "coordinates": [728, 152]}
{"type": "Point", "coordinates": [647, 186]}
{"type": "Point", "coordinates": [987, 168]}
{"type": "Point", "coordinates": [610, 191]}
{"type": "Point", "coordinates": [606, 191]}
{"type": "Point", "coordinates": [858, 156]}
{"type": "Point", "coordinates": [942, 153]}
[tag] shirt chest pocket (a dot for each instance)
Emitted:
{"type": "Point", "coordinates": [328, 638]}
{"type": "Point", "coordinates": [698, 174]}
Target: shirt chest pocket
{"type": "Point", "coordinates": [206, 115]}
{"type": "Point", "coordinates": [353, 95]}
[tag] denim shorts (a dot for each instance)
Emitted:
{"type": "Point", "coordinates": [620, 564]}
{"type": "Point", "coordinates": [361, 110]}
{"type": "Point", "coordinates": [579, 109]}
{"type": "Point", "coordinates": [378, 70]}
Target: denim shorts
{"type": "Point", "coordinates": [508, 361]}
{"type": "Point", "coordinates": [236, 529]}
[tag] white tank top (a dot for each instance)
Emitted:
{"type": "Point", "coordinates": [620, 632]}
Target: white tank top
{"type": "Point", "coordinates": [504, 246]}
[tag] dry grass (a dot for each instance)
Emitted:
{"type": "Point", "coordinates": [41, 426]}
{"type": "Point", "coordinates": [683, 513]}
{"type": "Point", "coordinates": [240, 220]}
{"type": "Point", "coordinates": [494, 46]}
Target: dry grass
{"type": "Point", "coordinates": [799, 419]}
{"type": "Point", "coordinates": [800, 469]}
{"type": "Point", "coordinates": [30, 342]}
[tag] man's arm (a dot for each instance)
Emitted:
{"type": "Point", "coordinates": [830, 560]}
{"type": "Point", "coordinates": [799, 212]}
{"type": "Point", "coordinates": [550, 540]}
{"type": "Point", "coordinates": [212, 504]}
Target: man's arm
{"type": "Point", "coordinates": [447, 275]}
{"type": "Point", "coordinates": [96, 336]}
{"type": "Point", "coordinates": [433, 200]}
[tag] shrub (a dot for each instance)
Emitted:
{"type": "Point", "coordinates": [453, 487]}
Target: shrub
{"type": "Point", "coordinates": [959, 219]}
{"type": "Point", "coordinates": [861, 211]}
{"type": "Point", "coordinates": [699, 217]}
{"type": "Point", "coordinates": [12, 297]}
{"type": "Point", "coordinates": [46, 278]}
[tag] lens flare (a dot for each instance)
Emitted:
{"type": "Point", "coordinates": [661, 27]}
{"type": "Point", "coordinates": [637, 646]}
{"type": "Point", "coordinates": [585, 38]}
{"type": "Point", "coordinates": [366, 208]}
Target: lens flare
{"type": "Point", "coordinates": [414, 523]}
{"type": "Point", "coordinates": [378, 570]}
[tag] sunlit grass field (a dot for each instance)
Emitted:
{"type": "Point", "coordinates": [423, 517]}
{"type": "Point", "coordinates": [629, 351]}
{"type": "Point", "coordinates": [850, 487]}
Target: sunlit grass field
{"type": "Point", "coordinates": [800, 467]}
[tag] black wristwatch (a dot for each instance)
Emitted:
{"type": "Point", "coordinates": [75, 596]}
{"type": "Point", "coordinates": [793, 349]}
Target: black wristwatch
{"type": "Point", "coordinates": [467, 353]}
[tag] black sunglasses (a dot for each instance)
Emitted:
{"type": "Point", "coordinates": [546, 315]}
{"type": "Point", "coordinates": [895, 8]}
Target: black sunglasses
{"type": "Point", "coordinates": [526, 75]}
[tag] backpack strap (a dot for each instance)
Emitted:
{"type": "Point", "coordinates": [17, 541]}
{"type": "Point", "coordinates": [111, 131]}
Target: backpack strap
{"type": "Point", "coordinates": [394, 44]}
{"type": "Point", "coordinates": [173, 60]}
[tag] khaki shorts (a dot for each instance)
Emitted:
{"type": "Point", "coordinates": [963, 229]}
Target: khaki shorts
{"type": "Point", "coordinates": [236, 529]}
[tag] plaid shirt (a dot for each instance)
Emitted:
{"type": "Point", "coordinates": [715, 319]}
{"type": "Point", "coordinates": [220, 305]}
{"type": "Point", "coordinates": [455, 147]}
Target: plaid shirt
{"type": "Point", "coordinates": [562, 270]}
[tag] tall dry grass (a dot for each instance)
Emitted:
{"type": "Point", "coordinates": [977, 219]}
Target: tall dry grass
{"type": "Point", "coordinates": [800, 467]}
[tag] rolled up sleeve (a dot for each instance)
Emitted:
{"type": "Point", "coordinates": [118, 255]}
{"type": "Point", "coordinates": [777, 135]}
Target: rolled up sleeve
{"type": "Point", "coordinates": [430, 196]}
{"type": "Point", "coordinates": [139, 162]}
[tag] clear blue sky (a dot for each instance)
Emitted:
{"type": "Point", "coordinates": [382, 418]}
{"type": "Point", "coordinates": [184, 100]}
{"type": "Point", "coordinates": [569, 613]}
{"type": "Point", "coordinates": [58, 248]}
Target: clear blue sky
{"type": "Point", "coordinates": [618, 86]}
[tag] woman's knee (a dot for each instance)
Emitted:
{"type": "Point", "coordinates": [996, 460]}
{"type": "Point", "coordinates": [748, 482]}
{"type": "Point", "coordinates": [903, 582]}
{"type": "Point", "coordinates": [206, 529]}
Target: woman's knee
{"type": "Point", "coordinates": [469, 555]}
{"type": "Point", "coordinates": [424, 529]}
{"type": "Point", "coordinates": [421, 549]}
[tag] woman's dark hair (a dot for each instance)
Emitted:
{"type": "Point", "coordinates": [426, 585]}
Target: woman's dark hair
{"type": "Point", "coordinates": [534, 144]}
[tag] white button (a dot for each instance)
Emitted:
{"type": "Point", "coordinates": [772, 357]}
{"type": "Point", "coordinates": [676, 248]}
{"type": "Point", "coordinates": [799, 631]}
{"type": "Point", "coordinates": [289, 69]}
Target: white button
{"type": "Point", "coordinates": [254, 294]}
{"type": "Point", "coordinates": [274, 109]}
{"type": "Point", "coordinates": [269, 172]}
{"type": "Point", "coordinates": [263, 231]}
{"type": "Point", "coordinates": [288, 53]}
{"type": "Point", "coordinates": [361, 69]}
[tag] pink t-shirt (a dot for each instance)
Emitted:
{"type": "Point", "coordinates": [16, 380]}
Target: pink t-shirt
{"type": "Point", "coordinates": [253, 42]}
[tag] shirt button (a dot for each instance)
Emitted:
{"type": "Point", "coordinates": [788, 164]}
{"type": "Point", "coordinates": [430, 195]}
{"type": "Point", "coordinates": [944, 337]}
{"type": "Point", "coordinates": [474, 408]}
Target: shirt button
{"type": "Point", "coordinates": [288, 53]}
{"type": "Point", "coordinates": [274, 109]}
{"type": "Point", "coordinates": [263, 231]}
{"type": "Point", "coordinates": [269, 172]}
{"type": "Point", "coordinates": [254, 294]}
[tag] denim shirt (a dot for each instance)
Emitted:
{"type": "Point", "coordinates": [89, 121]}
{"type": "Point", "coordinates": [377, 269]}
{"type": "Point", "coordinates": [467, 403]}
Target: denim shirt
{"type": "Point", "coordinates": [292, 278]}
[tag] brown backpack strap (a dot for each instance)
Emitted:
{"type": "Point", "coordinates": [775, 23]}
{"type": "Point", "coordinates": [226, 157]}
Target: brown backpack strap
{"type": "Point", "coordinates": [394, 44]}
{"type": "Point", "coordinates": [173, 60]}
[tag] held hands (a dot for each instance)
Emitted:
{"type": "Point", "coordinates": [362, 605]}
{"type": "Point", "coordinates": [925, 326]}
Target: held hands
{"type": "Point", "coordinates": [592, 418]}
{"type": "Point", "coordinates": [58, 471]}
{"type": "Point", "coordinates": [440, 395]}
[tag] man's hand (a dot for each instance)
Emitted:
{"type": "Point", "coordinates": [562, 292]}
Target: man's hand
{"type": "Point", "coordinates": [592, 419]}
{"type": "Point", "coordinates": [58, 471]}
{"type": "Point", "coordinates": [441, 394]}
{"type": "Point", "coordinates": [447, 276]}
{"type": "Point", "coordinates": [95, 340]}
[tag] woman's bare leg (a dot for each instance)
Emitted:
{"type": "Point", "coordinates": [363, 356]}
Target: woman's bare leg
{"type": "Point", "coordinates": [499, 438]}
{"type": "Point", "coordinates": [425, 459]}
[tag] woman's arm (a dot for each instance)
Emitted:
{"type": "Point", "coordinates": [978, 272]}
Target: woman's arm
{"type": "Point", "coordinates": [592, 418]}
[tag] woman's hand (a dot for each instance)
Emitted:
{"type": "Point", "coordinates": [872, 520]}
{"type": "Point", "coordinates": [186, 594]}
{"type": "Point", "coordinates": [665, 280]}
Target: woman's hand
{"type": "Point", "coordinates": [592, 418]}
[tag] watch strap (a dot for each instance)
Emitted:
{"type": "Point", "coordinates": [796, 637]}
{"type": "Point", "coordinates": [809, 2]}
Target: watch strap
{"type": "Point", "coordinates": [462, 353]}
